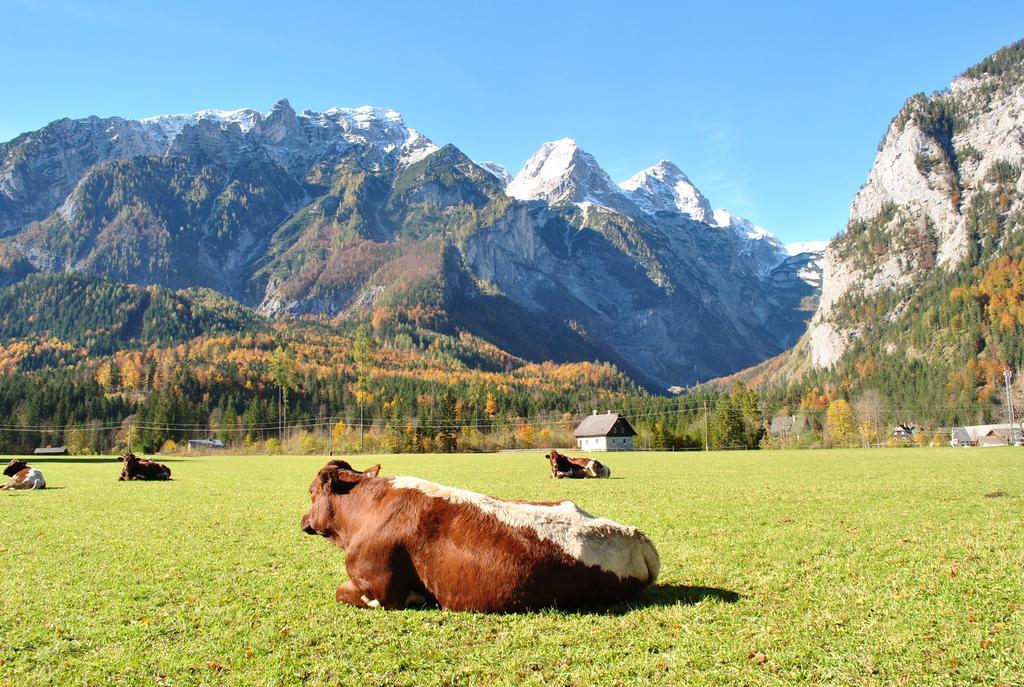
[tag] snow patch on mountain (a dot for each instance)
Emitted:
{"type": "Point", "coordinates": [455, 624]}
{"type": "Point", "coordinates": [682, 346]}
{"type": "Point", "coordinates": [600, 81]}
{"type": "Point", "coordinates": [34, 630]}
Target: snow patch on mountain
{"type": "Point", "coordinates": [806, 247]}
{"type": "Point", "coordinates": [169, 126]}
{"type": "Point", "coordinates": [498, 170]}
{"type": "Point", "coordinates": [743, 227]}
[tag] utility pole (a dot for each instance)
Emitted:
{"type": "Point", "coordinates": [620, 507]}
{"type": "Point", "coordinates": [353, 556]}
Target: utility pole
{"type": "Point", "coordinates": [705, 425]}
{"type": "Point", "coordinates": [1014, 436]}
{"type": "Point", "coordinates": [360, 423]}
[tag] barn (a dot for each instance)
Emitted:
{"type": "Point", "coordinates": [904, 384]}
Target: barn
{"type": "Point", "coordinates": [202, 444]}
{"type": "Point", "coordinates": [986, 435]}
{"type": "Point", "coordinates": [51, 451]}
{"type": "Point", "coordinates": [607, 431]}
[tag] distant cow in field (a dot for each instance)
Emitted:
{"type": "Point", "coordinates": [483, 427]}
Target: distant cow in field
{"type": "Point", "coordinates": [22, 476]}
{"type": "Point", "coordinates": [136, 468]}
{"type": "Point", "coordinates": [567, 467]}
{"type": "Point", "coordinates": [409, 542]}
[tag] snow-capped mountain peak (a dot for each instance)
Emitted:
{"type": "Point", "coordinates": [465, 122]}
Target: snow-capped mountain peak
{"type": "Point", "coordinates": [562, 171]}
{"type": "Point", "coordinates": [664, 188]}
{"type": "Point", "coordinates": [545, 172]}
{"type": "Point", "coordinates": [294, 137]}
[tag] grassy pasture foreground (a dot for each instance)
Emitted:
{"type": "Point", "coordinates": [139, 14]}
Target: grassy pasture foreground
{"type": "Point", "coordinates": [832, 567]}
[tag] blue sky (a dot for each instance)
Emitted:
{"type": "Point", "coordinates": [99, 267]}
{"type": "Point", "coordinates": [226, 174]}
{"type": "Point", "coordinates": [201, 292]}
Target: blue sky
{"type": "Point", "coordinates": [774, 112]}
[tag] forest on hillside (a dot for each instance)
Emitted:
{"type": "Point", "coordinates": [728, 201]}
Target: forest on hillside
{"type": "Point", "coordinates": [99, 366]}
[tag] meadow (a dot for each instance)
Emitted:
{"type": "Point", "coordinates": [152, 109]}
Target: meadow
{"type": "Point", "coordinates": [842, 567]}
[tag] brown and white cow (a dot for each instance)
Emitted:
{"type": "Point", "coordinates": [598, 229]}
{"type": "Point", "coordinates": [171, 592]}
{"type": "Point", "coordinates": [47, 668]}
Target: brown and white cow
{"type": "Point", "coordinates": [408, 541]}
{"type": "Point", "coordinates": [22, 476]}
{"type": "Point", "coordinates": [563, 467]}
{"type": "Point", "coordinates": [136, 468]}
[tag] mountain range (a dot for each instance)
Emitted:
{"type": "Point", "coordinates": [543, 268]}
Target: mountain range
{"type": "Point", "coordinates": [350, 214]}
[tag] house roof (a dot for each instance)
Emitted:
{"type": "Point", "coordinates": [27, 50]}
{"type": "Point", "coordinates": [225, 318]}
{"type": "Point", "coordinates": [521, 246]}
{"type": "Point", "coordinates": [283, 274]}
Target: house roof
{"type": "Point", "coordinates": [215, 443]}
{"type": "Point", "coordinates": [792, 424]}
{"type": "Point", "coordinates": [602, 425]}
{"type": "Point", "coordinates": [961, 435]}
{"type": "Point", "coordinates": [975, 431]}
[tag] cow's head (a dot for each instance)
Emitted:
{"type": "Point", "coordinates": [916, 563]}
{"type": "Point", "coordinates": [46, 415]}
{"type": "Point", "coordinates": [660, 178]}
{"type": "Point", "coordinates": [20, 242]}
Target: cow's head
{"type": "Point", "coordinates": [127, 458]}
{"type": "Point", "coordinates": [15, 466]}
{"type": "Point", "coordinates": [327, 492]}
{"type": "Point", "coordinates": [559, 462]}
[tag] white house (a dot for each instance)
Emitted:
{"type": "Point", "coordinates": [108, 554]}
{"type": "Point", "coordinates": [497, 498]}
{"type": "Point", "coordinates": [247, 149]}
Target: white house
{"type": "Point", "coordinates": [604, 432]}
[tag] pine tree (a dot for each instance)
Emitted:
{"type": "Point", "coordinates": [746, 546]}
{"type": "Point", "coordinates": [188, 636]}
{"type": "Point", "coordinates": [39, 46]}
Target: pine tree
{"type": "Point", "coordinates": [727, 429]}
{"type": "Point", "coordinates": [447, 432]}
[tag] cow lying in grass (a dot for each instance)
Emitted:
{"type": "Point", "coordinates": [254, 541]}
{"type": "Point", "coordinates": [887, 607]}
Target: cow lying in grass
{"type": "Point", "coordinates": [567, 467]}
{"type": "Point", "coordinates": [408, 542]}
{"type": "Point", "coordinates": [22, 476]}
{"type": "Point", "coordinates": [136, 468]}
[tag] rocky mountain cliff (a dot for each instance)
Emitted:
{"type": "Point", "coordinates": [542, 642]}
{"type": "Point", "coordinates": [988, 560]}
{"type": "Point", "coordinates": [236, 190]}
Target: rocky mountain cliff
{"type": "Point", "coordinates": [927, 206]}
{"type": "Point", "coordinates": [350, 213]}
{"type": "Point", "coordinates": [923, 294]}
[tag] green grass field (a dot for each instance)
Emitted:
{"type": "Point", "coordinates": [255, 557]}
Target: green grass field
{"type": "Point", "coordinates": [831, 567]}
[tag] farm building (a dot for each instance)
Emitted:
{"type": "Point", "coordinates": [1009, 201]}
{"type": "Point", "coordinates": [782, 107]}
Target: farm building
{"type": "Point", "coordinates": [205, 444]}
{"type": "Point", "coordinates": [986, 435]}
{"type": "Point", "coordinates": [51, 451]}
{"type": "Point", "coordinates": [788, 425]}
{"type": "Point", "coordinates": [903, 433]}
{"type": "Point", "coordinates": [605, 432]}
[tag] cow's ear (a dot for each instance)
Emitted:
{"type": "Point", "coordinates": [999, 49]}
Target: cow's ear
{"type": "Point", "coordinates": [343, 480]}
{"type": "Point", "coordinates": [372, 472]}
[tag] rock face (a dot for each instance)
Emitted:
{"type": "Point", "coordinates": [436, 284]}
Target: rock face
{"type": "Point", "coordinates": [945, 190]}
{"type": "Point", "coordinates": [349, 213]}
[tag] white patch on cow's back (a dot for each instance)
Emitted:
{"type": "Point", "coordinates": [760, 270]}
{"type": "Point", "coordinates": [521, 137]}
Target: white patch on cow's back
{"type": "Point", "coordinates": [591, 540]}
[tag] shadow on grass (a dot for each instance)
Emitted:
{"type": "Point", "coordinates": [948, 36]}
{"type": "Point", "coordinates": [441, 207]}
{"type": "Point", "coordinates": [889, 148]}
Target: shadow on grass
{"type": "Point", "coordinates": [32, 460]}
{"type": "Point", "coordinates": [667, 595]}
{"type": "Point", "coordinates": [672, 594]}
{"type": "Point", "coordinates": [95, 459]}
{"type": "Point", "coordinates": [662, 595]}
